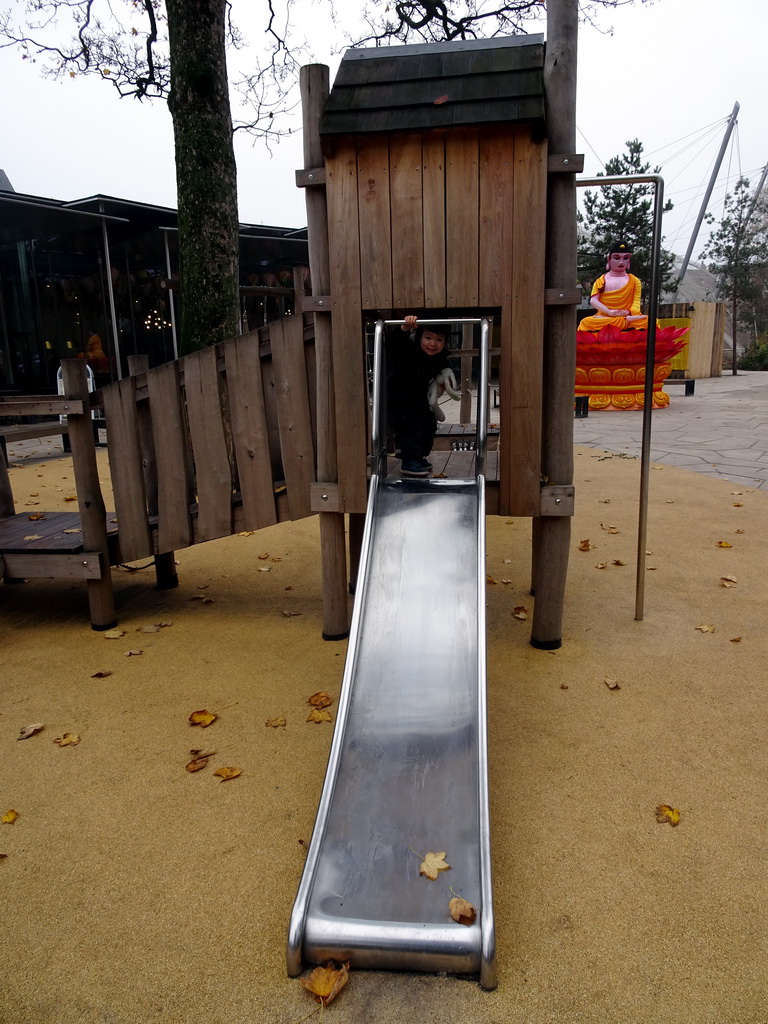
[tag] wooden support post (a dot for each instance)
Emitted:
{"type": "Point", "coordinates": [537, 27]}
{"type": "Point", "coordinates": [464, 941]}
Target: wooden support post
{"type": "Point", "coordinates": [93, 518]}
{"type": "Point", "coordinates": [552, 536]}
{"type": "Point", "coordinates": [165, 562]}
{"type": "Point", "coordinates": [314, 81]}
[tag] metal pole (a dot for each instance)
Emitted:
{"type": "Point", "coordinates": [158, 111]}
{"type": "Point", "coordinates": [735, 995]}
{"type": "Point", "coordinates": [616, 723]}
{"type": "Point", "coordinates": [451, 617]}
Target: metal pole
{"type": "Point", "coordinates": [110, 292]}
{"type": "Point", "coordinates": [705, 202]}
{"type": "Point", "coordinates": [653, 299]}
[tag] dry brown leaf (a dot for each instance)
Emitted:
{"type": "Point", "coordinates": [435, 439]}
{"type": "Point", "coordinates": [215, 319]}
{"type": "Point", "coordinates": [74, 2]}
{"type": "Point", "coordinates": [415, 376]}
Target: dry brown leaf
{"type": "Point", "coordinates": [738, 504]}
{"type": "Point", "coordinates": [651, 568]}
{"type": "Point", "coordinates": [133, 654]}
{"type": "Point", "coordinates": [290, 615]}
{"type": "Point", "coordinates": [704, 628]}
{"type": "Point", "coordinates": [75, 529]}
{"type": "Point", "coordinates": [263, 557]}
{"type": "Point", "coordinates": [740, 531]}
{"type": "Point", "coordinates": [520, 612]}
{"type": "Point", "coordinates": [275, 723]}
{"type": "Point", "coordinates": [36, 517]}
{"type": "Point", "coordinates": [113, 634]}
{"type": "Point", "coordinates": [490, 579]}
{"type": "Point", "coordinates": [321, 699]}
{"type": "Point", "coordinates": [735, 639]}
{"type": "Point", "coordinates": [609, 529]}
{"type": "Point", "coordinates": [225, 774]}
{"type": "Point", "coordinates": [724, 544]}
{"type": "Point", "coordinates": [9, 817]}
{"type": "Point", "coordinates": [618, 561]}
{"type": "Point", "coordinates": [276, 558]}
{"type": "Point", "coordinates": [69, 739]}
{"type": "Point", "coordinates": [32, 536]}
{"type": "Point", "coordinates": [319, 716]}
{"type": "Point", "coordinates": [506, 582]}
{"type": "Point", "coordinates": [155, 627]}
{"type": "Point", "coordinates": [601, 565]}
{"type": "Point", "coordinates": [325, 983]}
{"type": "Point", "coordinates": [665, 813]}
{"type": "Point", "coordinates": [202, 598]}
{"type": "Point", "coordinates": [29, 730]}
{"type": "Point", "coordinates": [612, 684]}
{"type": "Point", "coordinates": [246, 533]}
{"type": "Point", "coordinates": [102, 673]}
{"type": "Point", "coordinates": [203, 718]}
{"type": "Point", "coordinates": [197, 764]}
{"type": "Point", "coordinates": [71, 497]}
{"type": "Point", "coordinates": [265, 568]}
{"type": "Point", "coordinates": [461, 910]}
{"type": "Point", "coordinates": [433, 863]}
{"type": "Point", "coordinates": [584, 545]}
{"type": "Point", "coordinates": [605, 501]}
{"type": "Point", "coordinates": [728, 582]}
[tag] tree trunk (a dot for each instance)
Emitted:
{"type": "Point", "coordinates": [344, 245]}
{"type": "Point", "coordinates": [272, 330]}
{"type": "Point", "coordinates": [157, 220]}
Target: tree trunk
{"type": "Point", "coordinates": [206, 174]}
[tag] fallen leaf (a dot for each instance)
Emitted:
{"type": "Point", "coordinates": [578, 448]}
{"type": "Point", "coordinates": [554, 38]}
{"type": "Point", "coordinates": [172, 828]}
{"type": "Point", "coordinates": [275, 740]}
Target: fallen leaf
{"type": "Point", "coordinates": [740, 531]}
{"type": "Point", "coordinates": [738, 504]}
{"type": "Point", "coordinates": [704, 628]}
{"type": "Point", "coordinates": [433, 863]}
{"type": "Point", "coordinates": [32, 536]}
{"type": "Point", "coordinates": [69, 739]}
{"type": "Point", "coordinates": [202, 718]}
{"type": "Point", "coordinates": [489, 579]}
{"type": "Point", "coordinates": [36, 516]}
{"type": "Point", "coordinates": [197, 764]}
{"type": "Point", "coordinates": [651, 568]}
{"type": "Point", "coordinates": [605, 501]}
{"type": "Point", "coordinates": [737, 492]}
{"type": "Point", "coordinates": [275, 723]}
{"type": "Point", "coordinates": [506, 582]}
{"type": "Point", "coordinates": [29, 730]}
{"type": "Point", "coordinates": [319, 716]}
{"type": "Point", "coordinates": [102, 673]}
{"type": "Point", "coordinates": [246, 533]}
{"type": "Point", "coordinates": [440, 100]}
{"type": "Point", "coordinates": [520, 613]}
{"type": "Point", "coordinates": [276, 558]}
{"type": "Point", "coordinates": [665, 813]}
{"type": "Point", "coordinates": [133, 654]}
{"type": "Point", "coordinates": [618, 561]}
{"type": "Point", "coordinates": [290, 615]}
{"type": "Point", "coordinates": [735, 639]}
{"type": "Point", "coordinates": [564, 686]}
{"type": "Point", "coordinates": [601, 565]}
{"type": "Point", "coordinates": [609, 529]}
{"type": "Point", "coordinates": [612, 684]}
{"type": "Point", "coordinates": [113, 634]}
{"type": "Point", "coordinates": [155, 627]}
{"type": "Point", "coordinates": [263, 557]}
{"type": "Point", "coordinates": [75, 529]}
{"type": "Point", "coordinates": [265, 568]}
{"type": "Point", "coordinates": [461, 910]}
{"type": "Point", "coordinates": [584, 545]}
{"type": "Point", "coordinates": [9, 817]}
{"type": "Point", "coordinates": [724, 544]}
{"type": "Point", "coordinates": [321, 699]}
{"type": "Point", "coordinates": [225, 774]}
{"type": "Point", "coordinates": [728, 581]}
{"type": "Point", "coordinates": [71, 497]}
{"type": "Point", "coordinates": [325, 983]}
{"type": "Point", "coordinates": [657, 467]}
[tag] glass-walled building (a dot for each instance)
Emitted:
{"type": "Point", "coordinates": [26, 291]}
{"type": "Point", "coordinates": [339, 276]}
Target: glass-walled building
{"type": "Point", "coordinates": [98, 279]}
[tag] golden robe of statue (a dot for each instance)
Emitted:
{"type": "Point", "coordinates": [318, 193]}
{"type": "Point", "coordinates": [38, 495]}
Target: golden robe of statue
{"type": "Point", "coordinates": [623, 301]}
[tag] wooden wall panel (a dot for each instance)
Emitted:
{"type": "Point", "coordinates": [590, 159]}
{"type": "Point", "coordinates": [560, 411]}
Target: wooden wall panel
{"type": "Point", "coordinates": [496, 158]}
{"type": "Point", "coordinates": [128, 481]}
{"type": "Point", "coordinates": [462, 214]}
{"type": "Point", "coordinates": [174, 526]}
{"type": "Point", "coordinates": [407, 220]}
{"type": "Point", "coordinates": [521, 370]}
{"type": "Point", "coordinates": [296, 442]}
{"type": "Point", "coordinates": [375, 228]}
{"type": "Point", "coordinates": [250, 434]}
{"type": "Point", "coordinates": [213, 469]}
{"type": "Point", "coordinates": [348, 344]}
{"type": "Point", "coordinates": [433, 163]}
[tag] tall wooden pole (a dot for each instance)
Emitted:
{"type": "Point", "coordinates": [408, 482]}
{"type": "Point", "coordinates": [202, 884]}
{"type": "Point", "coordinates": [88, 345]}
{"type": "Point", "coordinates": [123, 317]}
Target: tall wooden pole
{"type": "Point", "coordinates": [314, 83]}
{"type": "Point", "coordinates": [552, 534]}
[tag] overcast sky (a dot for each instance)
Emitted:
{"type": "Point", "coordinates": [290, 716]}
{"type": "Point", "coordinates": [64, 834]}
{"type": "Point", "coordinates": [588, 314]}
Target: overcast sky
{"type": "Point", "coordinates": [668, 75]}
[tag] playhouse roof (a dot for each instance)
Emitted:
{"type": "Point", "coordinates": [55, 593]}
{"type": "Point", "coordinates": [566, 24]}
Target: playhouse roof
{"type": "Point", "coordinates": [437, 85]}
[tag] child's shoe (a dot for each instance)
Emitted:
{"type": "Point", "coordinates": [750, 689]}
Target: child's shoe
{"type": "Point", "coordinates": [414, 467]}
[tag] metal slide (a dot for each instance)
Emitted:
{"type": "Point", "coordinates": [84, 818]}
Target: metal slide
{"type": "Point", "coordinates": [407, 771]}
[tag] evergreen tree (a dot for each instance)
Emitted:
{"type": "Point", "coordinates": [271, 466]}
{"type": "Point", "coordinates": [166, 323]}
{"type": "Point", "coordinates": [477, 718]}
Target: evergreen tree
{"type": "Point", "coordinates": [622, 213]}
{"type": "Point", "coordinates": [736, 254]}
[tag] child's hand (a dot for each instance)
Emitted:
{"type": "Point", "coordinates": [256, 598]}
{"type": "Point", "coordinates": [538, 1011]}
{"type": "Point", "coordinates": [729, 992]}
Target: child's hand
{"type": "Point", "coordinates": [409, 324]}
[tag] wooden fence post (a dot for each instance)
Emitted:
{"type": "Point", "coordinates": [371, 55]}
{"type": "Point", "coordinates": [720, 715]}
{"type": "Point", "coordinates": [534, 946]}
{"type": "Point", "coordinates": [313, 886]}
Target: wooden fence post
{"type": "Point", "coordinates": [552, 534]}
{"type": "Point", "coordinates": [314, 94]}
{"type": "Point", "coordinates": [93, 517]}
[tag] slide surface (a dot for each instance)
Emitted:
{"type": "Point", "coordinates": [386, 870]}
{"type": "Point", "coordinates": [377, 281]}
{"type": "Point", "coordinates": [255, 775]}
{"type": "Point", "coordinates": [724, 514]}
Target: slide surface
{"type": "Point", "coordinates": [408, 767]}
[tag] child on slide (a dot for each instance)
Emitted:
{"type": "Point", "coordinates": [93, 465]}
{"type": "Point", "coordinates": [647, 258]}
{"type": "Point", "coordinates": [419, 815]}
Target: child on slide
{"type": "Point", "coordinates": [416, 356]}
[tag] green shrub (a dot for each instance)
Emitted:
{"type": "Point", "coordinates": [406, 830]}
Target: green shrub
{"type": "Point", "coordinates": [756, 356]}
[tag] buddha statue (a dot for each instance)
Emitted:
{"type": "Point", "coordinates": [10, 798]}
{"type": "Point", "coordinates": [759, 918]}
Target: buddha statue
{"type": "Point", "coordinates": [616, 295]}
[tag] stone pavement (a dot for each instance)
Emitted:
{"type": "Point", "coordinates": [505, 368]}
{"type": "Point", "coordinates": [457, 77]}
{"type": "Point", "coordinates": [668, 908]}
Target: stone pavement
{"type": "Point", "coordinates": [721, 430]}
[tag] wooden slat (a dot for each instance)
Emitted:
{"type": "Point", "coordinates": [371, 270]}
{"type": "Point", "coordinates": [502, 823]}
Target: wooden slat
{"type": "Point", "coordinates": [375, 227]}
{"type": "Point", "coordinates": [296, 442]}
{"type": "Point", "coordinates": [433, 162]}
{"type": "Point", "coordinates": [250, 433]}
{"type": "Point", "coordinates": [88, 566]}
{"type": "Point", "coordinates": [407, 221]}
{"type": "Point", "coordinates": [351, 396]}
{"type": "Point", "coordinates": [496, 158]}
{"type": "Point", "coordinates": [522, 348]}
{"type": "Point", "coordinates": [462, 217]}
{"type": "Point", "coordinates": [213, 469]}
{"type": "Point", "coordinates": [36, 406]}
{"type": "Point", "coordinates": [126, 469]}
{"type": "Point", "coordinates": [174, 528]}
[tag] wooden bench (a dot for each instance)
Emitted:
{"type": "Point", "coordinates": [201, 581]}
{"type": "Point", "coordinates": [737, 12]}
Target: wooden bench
{"type": "Point", "coordinates": [213, 444]}
{"type": "Point", "coordinates": [690, 385]}
{"type": "Point", "coordinates": [25, 431]}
